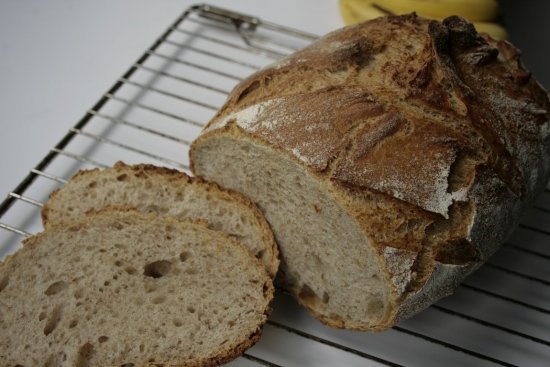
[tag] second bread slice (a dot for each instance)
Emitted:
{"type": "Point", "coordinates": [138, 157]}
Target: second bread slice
{"type": "Point", "coordinates": [165, 191]}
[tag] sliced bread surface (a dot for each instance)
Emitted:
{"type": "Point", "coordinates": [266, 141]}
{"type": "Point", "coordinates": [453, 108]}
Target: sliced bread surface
{"type": "Point", "coordinates": [165, 191]}
{"type": "Point", "coordinates": [124, 288]}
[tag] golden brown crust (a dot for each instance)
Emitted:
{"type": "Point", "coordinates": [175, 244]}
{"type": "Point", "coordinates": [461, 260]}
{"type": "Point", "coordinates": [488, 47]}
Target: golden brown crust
{"type": "Point", "coordinates": [394, 81]}
{"type": "Point", "coordinates": [441, 125]}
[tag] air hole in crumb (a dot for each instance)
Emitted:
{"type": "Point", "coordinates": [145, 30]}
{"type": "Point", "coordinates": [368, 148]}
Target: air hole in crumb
{"type": "Point", "coordinates": [130, 270]}
{"type": "Point", "coordinates": [122, 177]}
{"type": "Point", "coordinates": [42, 316]}
{"type": "Point", "coordinates": [4, 283]}
{"type": "Point", "coordinates": [74, 228]}
{"type": "Point", "coordinates": [265, 288]}
{"type": "Point", "coordinates": [178, 322]}
{"type": "Point", "coordinates": [78, 293]}
{"type": "Point", "coordinates": [53, 320]}
{"type": "Point", "coordinates": [127, 365]}
{"type": "Point", "coordinates": [73, 324]}
{"type": "Point", "coordinates": [326, 297]}
{"type": "Point", "coordinates": [158, 300]}
{"type": "Point", "coordinates": [157, 269]}
{"type": "Point", "coordinates": [55, 288]}
{"type": "Point", "coordinates": [317, 208]}
{"type": "Point", "coordinates": [185, 255]}
{"type": "Point", "coordinates": [92, 184]}
{"type": "Point", "coordinates": [117, 225]}
{"type": "Point", "coordinates": [102, 339]}
{"type": "Point", "coordinates": [191, 309]}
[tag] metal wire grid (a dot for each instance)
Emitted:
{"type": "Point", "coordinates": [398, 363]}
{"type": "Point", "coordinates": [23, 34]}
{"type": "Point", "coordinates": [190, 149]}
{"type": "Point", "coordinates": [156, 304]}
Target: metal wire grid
{"type": "Point", "coordinates": [499, 316]}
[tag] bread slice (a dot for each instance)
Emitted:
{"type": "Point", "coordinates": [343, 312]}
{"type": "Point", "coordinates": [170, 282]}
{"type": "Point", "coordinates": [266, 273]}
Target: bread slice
{"type": "Point", "coordinates": [165, 191]}
{"type": "Point", "coordinates": [124, 288]}
{"type": "Point", "coordinates": [391, 159]}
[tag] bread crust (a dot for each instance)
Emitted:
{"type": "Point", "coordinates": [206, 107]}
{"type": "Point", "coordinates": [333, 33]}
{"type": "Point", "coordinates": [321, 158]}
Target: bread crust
{"type": "Point", "coordinates": [440, 124]}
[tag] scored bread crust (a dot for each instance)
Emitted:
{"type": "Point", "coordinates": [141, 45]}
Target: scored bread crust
{"type": "Point", "coordinates": [431, 136]}
{"type": "Point", "coordinates": [164, 191]}
{"type": "Point", "coordinates": [96, 291]}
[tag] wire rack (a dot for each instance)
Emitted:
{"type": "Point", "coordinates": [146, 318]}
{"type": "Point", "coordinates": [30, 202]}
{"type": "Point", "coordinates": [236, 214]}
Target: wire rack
{"type": "Point", "coordinates": [499, 316]}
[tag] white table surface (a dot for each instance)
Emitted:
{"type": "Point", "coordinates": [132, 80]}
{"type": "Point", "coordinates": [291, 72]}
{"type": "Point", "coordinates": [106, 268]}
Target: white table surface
{"type": "Point", "coordinates": [57, 57]}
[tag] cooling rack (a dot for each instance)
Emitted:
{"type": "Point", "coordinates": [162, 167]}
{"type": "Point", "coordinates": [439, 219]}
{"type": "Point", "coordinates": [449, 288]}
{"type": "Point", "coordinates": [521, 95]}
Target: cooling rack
{"type": "Point", "coordinates": [499, 316]}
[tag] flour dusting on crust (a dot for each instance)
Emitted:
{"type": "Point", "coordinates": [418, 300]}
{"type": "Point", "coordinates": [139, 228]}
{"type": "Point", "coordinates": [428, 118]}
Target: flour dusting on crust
{"type": "Point", "coordinates": [399, 263]}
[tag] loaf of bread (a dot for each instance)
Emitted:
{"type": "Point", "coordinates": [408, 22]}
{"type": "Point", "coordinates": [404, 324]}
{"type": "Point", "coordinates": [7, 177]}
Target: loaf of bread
{"type": "Point", "coordinates": [164, 191]}
{"type": "Point", "coordinates": [125, 288]}
{"type": "Point", "coordinates": [391, 159]}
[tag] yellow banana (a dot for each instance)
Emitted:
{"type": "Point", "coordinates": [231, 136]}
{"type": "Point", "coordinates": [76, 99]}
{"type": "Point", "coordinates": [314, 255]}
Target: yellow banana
{"type": "Point", "coordinates": [354, 11]}
{"type": "Point", "coordinates": [494, 30]}
{"type": "Point", "coordinates": [473, 10]}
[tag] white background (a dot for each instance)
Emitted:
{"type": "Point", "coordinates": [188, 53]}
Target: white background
{"type": "Point", "coordinates": [57, 57]}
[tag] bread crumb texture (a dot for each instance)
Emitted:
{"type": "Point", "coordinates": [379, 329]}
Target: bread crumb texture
{"type": "Point", "coordinates": [121, 288]}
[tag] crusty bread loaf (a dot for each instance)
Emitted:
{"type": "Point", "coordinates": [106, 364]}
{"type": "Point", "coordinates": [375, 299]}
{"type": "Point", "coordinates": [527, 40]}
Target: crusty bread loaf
{"type": "Point", "coordinates": [124, 288]}
{"type": "Point", "coordinates": [391, 159]}
{"type": "Point", "coordinates": [165, 191]}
